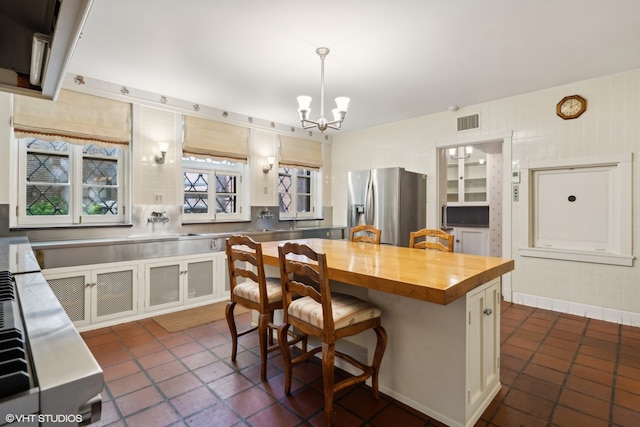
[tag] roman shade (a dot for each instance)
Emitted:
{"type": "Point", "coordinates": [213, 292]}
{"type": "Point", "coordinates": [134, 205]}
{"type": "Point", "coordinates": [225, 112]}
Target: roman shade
{"type": "Point", "coordinates": [207, 138]}
{"type": "Point", "coordinates": [76, 118]}
{"type": "Point", "coordinates": [297, 152]}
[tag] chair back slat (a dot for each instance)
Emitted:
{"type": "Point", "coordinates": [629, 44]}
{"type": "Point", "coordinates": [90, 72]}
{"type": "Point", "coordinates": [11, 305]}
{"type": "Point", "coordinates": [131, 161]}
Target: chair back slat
{"type": "Point", "coordinates": [365, 233]}
{"type": "Point", "coordinates": [427, 233]}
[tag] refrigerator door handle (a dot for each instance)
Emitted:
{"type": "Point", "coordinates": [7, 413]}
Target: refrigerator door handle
{"type": "Point", "coordinates": [369, 200]}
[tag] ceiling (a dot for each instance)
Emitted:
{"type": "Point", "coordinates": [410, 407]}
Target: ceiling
{"type": "Point", "coordinates": [394, 59]}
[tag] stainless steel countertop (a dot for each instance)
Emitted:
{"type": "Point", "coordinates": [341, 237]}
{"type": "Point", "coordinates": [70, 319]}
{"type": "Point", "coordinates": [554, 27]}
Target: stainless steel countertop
{"type": "Point", "coordinates": [65, 253]}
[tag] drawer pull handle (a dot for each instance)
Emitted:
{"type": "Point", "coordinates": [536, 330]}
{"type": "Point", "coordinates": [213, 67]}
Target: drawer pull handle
{"type": "Point", "coordinates": [488, 311]}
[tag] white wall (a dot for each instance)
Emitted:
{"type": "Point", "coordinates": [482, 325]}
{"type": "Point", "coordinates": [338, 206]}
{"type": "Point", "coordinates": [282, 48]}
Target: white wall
{"type": "Point", "coordinates": [611, 125]}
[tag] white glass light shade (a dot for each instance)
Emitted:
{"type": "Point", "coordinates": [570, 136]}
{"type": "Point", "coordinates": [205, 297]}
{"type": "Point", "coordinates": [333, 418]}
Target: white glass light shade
{"type": "Point", "coordinates": [468, 150]}
{"type": "Point", "coordinates": [336, 114]}
{"type": "Point", "coordinates": [453, 151]}
{"type": "Point", "coordinates": [271, 160]}
{"type": "Point", "coordinates": [164, 146]}
{"type": "Point", "coordinates": [343, 103]}
{"type": "Point", "coordinates": [304, 102]}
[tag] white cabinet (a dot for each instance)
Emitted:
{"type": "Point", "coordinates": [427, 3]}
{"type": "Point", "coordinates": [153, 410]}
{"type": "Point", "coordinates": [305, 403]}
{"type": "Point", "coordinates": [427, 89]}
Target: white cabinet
{"type": "Point", "coordinates": [472, 240]}
{"type": "Point", "coordinates": [178, 281]}
{"type": "Point", "coordinates": [91, 294]}
{"type": "Point", "coordinates": [467, 180]}
{"type": "Point", "coordinates": [483, 343]}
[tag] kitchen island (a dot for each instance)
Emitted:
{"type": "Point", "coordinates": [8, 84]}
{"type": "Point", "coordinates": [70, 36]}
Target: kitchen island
{"type": "Point", "coordinates": [442, 314]}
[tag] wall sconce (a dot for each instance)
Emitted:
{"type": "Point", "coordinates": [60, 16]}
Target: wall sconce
{"type": "Point", "coordinates": [164, 146]}
{"type": "Point", "coordinates": [460, 152]}
{"type": "Point", "coordinates": [267, 167]}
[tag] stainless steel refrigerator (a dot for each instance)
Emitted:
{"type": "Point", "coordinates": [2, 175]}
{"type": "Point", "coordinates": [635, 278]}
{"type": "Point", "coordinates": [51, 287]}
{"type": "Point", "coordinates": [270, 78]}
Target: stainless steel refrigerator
{"type": "Point", "coordinates": [391, 199]}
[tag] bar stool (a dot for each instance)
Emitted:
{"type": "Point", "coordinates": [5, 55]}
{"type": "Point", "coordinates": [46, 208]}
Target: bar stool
{"type": "Point", "coordinates": [327, 316]}
{"type": "Point", "coordinates": [256, 292]}
{"type": "Point", "coordinates": [428, 244]}
{"type": "Point", "coordinates": [365, 233]}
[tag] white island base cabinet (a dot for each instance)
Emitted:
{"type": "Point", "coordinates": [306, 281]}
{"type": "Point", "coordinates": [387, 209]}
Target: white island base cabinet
{"type": "Point", "coordinates": [442, 360]}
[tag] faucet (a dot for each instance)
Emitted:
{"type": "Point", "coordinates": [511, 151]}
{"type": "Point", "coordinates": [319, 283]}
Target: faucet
{"type": "Point", "coordinates": [158, 217]}
{"type": "Point", "coordinates": [292, 224]}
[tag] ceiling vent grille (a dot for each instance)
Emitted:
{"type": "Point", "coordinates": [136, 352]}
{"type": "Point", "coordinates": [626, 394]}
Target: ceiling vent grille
{"type": "Point", "coordinates": [469, 122]}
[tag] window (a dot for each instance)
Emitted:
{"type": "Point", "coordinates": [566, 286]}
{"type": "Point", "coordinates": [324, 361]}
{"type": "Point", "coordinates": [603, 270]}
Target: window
{"type": "Point", "coordinates": [66, 184]}
{"type": "Point", "coordinates": [212, 189]}
{"type": "Point", "coordinates": [296, 192]}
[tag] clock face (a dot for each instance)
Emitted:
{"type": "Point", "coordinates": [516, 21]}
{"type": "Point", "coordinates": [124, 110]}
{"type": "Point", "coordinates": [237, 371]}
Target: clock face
{"type": "Point", "coordinates": [571, 107]}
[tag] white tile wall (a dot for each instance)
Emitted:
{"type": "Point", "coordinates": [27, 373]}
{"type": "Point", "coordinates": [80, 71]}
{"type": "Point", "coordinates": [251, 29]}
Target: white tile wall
{"type": "Point", "coordinates": [610, 126]}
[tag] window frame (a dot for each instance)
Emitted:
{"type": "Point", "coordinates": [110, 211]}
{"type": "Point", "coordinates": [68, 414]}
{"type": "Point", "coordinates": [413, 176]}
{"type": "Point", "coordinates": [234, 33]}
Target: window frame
{"type": "Point", "coordinates": [75, 216]}
{"type": "Point", "coordinates": [215, 168]}
{"type": "Point", "coordinates": [314, 195]}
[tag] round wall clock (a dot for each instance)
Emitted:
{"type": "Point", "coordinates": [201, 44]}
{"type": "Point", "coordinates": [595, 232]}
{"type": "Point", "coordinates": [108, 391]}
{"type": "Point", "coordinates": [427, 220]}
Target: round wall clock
{"type": "Point", "coordinates": [571, 107]}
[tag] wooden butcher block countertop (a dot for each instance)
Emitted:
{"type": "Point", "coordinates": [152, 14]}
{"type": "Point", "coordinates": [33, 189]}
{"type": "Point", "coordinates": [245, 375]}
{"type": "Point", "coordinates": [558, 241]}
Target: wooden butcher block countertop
{"type": "Point", "coordinates": [428, 275]}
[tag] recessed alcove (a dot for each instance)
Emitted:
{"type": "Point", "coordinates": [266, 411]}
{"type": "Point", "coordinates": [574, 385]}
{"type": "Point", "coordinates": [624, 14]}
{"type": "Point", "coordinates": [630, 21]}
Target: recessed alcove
{"type": "Point", "coordinates": [578, 210]}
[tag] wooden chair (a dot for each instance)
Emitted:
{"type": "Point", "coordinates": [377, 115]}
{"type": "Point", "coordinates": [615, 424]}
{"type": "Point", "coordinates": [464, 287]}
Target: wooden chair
{"type": "Point", "coordinates": [428, 244]}
{"type": "Point", "coordinates": [256, 292]}
{"type": "Point", "coordinates": [327, 316]}
{"type": "Point", "coordinates": [365, 233]}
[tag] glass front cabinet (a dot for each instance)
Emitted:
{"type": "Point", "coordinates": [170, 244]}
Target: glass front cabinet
{"type": "Point", "coordinates": [466, 177]}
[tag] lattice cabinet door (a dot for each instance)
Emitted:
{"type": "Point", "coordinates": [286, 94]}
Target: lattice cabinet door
{"type": "Point", "coordinates": [72, 288]}
{"type": "Point", "coordinates": [114, 292]}
{"type": "Point", "coordinates": [200, 278]}
{"type": "Point", "coordinates": [164, 284]}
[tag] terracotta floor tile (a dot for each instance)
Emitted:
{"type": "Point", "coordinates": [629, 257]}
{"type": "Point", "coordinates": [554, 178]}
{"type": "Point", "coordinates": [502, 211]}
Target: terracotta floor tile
{"type": "Point", "coordinates": [627, 400]}
{"type": "Point", "coordinates": [546, 374]}
{"type": "Point", "coordinates": [168, 370]}
{"type": "Point", "coordinates": [567, 417]}
{"type": "Point", "coordinates": [179, 385]}
{"type": "Point", "coordinates": [216, 413]}
{"type": "Point", "coordinates": [120, 370]}
{"type": "Point", "coordinates": [590, 388]}
{"type": "Point", "coordinates": [556, 370]}
{"type": "Point", "coordinates": [585, 404]}
{"type": "Point", "coordinates": [250, 401]}
{"type": "Point", "coordinates": [129, 384]}
{"type": "Point", "coordinates": [138, 400]}
{"type": "Point", "coordinates": [187, 349]}
{"type": "Point", "coordinates": [274, 415]}
{"type": "Point", "coordinates": [625, 416]}
{"type": "Point", "coordinates": [525, 402]}
{"type": "Point", "coordinates": [194, 401]}
{"type": "Point", "coordinates": [537, 387]}
{"type": "Point", "coordinates": [156, 416]}
{"type": "Point", "coordinates": [154, 359]}
{"type": "Point", "coordinates": [507, 416]}
{"type": "Point", "coordinates": [197, 360]}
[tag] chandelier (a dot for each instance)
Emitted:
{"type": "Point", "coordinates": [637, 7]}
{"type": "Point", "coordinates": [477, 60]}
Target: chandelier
{"type": "Point", "coordinates": [304, 103]}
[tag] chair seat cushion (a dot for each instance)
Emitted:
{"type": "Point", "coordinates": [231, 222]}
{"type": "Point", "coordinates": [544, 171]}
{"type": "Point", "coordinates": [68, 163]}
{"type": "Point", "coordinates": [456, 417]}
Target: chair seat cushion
{"type": "Point", "coordinates": [249, 290]}
{"type": "Point", "coordinates": [347, 310]}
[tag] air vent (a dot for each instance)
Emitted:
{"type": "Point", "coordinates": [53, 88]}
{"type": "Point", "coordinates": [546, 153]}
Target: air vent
{"type": "Point", "coordinates": [469, 122]}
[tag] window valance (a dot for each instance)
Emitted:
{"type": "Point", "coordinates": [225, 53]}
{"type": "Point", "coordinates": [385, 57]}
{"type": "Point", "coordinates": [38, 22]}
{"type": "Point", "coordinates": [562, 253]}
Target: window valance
{"type": "Point", "coordinates": [297, 152]}
{"type": "Point", "coordinates": [208, 138]}
{"type": "Point", "coordinates": [76, 118]}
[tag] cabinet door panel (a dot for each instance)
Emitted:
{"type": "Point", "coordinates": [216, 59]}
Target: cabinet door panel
{"type": "Point", "coordinates": [164, 285]}
{"type": "Point", "coordinates": [115, 293]}
{"type": "Point", "coordinates": [72, 290]}
{"type": "Point", "coordinates": [200, 279]}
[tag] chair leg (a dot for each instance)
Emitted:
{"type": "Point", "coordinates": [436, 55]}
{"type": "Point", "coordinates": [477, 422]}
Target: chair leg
{"type": "Point", "coordinates": [269, 329]}
{"type": "Point", "coordinates": [286, 356]}
{"type": "Point", "coordinates": [232, 329]}
{"type": "Point", "coordinates": [381, 345]}
{"type": "Point", "coordinates": [328, 360]}
{"type": "Point", "coordinates": [263, 330]}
